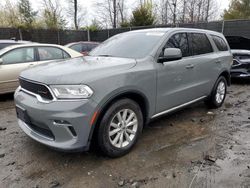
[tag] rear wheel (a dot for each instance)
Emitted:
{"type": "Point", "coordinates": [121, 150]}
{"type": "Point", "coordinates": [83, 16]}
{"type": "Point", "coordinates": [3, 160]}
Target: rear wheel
{"type": "Point", "coordinates": [218, 94]}
{"type": "Point", "coordinates": [120, 128]}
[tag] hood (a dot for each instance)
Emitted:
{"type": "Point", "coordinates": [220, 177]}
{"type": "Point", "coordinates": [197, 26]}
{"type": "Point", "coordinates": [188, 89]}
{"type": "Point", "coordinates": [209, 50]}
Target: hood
{"type": "Point", "coordinates": [77, 70]}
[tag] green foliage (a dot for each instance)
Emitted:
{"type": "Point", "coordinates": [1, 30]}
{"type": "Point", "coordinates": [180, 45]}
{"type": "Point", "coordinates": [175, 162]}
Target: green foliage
{"type": "Point", "coordinates": [27, 16]}
{"type": "Point", "coordinates": [238, 9]}
{"type": "Point", "coordinates": [9, 15]}
{"type": "Point", "coordinates": [52, 20]}
{"type": "Point", "coordinates": [95, 26]}
{"type": "Point", "coordinates": [125, 24]}
{"type": "Point", "coordinates": [143, 15]}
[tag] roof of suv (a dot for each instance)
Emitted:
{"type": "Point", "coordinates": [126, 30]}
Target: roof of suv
{"type": "Point", "coordinates": [165, 30]}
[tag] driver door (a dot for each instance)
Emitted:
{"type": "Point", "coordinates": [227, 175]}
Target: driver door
{"type": "Point", "coordinates": [13, 62]}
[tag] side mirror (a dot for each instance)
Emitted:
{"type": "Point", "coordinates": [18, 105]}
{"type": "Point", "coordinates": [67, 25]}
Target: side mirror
{"type": "Point", "coordinates": [170, 54]}
{"type": "Point", "coordinates": [1, 61]}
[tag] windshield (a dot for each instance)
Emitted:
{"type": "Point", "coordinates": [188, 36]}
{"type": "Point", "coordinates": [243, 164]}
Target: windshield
{"type": "Point", "coordinates": [128, 45]}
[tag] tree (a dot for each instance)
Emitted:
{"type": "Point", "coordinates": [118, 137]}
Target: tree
{"type": "Point", "coordinates": [111, 12]}
{"type": "Point", "coordinates": [26, 13]}
{"type": "Point", "coordinates": [9, 15]}
{"type": "Point", "coordinates": [94, 26]}
{"type": "Point", "coordinates": [52, 15]}
{"type": "Point", "coordinates": [143, 15]}
{"type": "Point", "coordinates": [76, 12]}
{"type": "Point", "coordinates": [238, 9]}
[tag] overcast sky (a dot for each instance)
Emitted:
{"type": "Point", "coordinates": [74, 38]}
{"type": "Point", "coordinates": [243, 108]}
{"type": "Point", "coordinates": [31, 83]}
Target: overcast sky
{"type": "Point", "coordinates": [89, 6]}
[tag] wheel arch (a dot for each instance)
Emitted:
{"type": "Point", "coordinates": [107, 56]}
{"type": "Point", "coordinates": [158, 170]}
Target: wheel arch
{"type": "Point", "coordinates": [227, 76]}
{"type": "Point", "coordinates": [134, 95]}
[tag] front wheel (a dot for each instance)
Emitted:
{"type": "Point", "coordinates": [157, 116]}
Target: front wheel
{"type": "Point", "coordinates": [120, 128]}
{"type": "Point", "coordinates": [218, 94]}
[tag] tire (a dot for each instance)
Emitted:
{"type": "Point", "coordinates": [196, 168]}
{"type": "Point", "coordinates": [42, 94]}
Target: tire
{"type": "Point", "coordinates": [127, 135]}
{"type": "Point", "coordinates": [218, 94]}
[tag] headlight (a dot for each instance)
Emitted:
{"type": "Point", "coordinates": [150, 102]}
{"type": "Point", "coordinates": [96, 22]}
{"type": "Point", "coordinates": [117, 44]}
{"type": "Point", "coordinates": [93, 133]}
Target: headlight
{"type": "Point", "coordinates": [72, 91]}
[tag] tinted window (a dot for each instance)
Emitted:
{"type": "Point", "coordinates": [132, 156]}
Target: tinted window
{"type": "Point", "coordinates": [200, 44]}
{"type": "Point", "coordinates": [50, 53]}
{"type": "Point", "coordinates": [20, 55]}
{"type": "Point", "coordinates": [220, 43]}
{"type": "Point", "coordinates": [91, 46]}
{"type": "Point", "coordinates": [85, 48]}
{"type": "Point", "coordinates": [77, 47]}
{"type": "Point", "coordinates": [129, 45]}
{"type": "Point", "coordinates": [179, 41]}
{"type": "Point", "coordinates": [3, 45]}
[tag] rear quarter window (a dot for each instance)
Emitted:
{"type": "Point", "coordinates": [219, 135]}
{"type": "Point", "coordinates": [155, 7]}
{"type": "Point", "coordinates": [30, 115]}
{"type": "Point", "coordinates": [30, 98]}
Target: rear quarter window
{"type": "Point", "coordinates": [199, 43]}
{"type": "Point", "coordinates": [220, 43]}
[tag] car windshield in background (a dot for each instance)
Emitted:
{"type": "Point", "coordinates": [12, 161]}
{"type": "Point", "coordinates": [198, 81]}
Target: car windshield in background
{"type": "Point", "coordinates": [129, 45]}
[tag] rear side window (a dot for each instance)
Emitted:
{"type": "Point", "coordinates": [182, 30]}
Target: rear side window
{"type": "Point", "coordinates": [180, 41]}
{"type": "Point", "coordinates": [77, 47]}
{"type": "Point", "coordinates": [50, 53]}
{"type": "Point", "coordinates": [19, 55]}
{"type": "Point", "coordinates": [85, 47]}
{"type": "Point", "coordinates": [91, 46]}
{"type": "Point", "coordinates": [220, 43]}
{"type": "Point", "coordinates": [200, 43]}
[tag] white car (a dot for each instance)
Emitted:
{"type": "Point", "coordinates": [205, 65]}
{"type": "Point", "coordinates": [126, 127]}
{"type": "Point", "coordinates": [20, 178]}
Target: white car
{"type": "Point", "coordinates": [14, 59]}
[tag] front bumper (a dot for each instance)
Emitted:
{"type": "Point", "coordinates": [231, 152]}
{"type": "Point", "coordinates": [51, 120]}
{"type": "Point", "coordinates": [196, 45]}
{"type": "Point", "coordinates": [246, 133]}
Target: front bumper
{"type": "Point", "coordinates": [240, 75]}
{"type": "Point", "coordinates": [64, 125]}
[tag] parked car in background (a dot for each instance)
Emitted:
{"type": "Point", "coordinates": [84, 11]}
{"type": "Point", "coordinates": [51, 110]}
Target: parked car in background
{"type": "Point", "coordinates": [83, 47]}
{"type": "Point", "coordinates": [241, 64]}
{"type": "Point", "coordinates": [6, 43]}
{"type": "Point", "coordinates": [16, 58]}
{"type": "Point", "coordinates": [125, 82]}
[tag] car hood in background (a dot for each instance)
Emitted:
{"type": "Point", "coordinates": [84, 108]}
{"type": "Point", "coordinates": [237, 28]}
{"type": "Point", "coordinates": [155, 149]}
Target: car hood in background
{"type": "Point", "coordinates": [77, 70]}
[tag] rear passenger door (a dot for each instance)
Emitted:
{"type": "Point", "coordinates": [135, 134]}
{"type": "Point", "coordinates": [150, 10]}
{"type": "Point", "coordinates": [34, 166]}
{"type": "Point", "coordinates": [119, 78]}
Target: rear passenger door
{"type": "Point", "coordinates": [176, 80]}
{"type": "Point", "coordinates": [205, 62]}
{"type": "Point", "coordinates": [47, 54]}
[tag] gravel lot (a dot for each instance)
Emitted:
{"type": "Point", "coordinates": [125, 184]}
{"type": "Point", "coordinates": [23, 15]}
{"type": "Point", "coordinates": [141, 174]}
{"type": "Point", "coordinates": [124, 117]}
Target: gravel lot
{"type": "Point", "coordinates": [195, 147]}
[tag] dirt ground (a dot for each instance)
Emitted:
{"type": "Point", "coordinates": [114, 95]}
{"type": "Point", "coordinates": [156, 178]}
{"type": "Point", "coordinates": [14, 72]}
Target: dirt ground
{"type": "Point", "coordinates": [195, 147]}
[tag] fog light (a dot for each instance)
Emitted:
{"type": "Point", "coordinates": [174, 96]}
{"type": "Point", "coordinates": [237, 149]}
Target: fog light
{"type": "Point", "coordinates": [61, 123]}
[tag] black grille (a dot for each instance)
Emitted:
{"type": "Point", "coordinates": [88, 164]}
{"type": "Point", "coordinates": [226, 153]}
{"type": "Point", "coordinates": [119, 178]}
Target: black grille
{"type": "Point", "coordinates": [36, 88]}
{"type": "Point", "coordinates": [44, 131]}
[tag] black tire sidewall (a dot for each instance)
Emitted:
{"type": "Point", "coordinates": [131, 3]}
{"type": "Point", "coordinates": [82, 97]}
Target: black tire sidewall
{"type": "Point", "coordinates": [103, 132]}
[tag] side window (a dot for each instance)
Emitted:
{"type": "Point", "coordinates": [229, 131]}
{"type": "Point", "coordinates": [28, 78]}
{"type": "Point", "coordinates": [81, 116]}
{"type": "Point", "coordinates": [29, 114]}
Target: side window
{"type": "Point", "coordinates": [91, 46]}
{"type": "Point", "coordinates": [85, 47]}
{"type": "Point", "coordinates": [77, 47]}
{"type": "Point", "coordinates": [220, 43]}
{"type": "Point", "coordinates": [180, 41]}
{"type": "Point", "coordinates": [200, 43]}
{"type": "Point", "coordinates": [19, 55]}
{"type": "Point", "coordinates": [65, 55]}
{"type": "Point", "coordinates": [50, 53]}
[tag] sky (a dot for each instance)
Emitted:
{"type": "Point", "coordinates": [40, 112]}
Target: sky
{"type": "Point", "coordinates": [89, 6]}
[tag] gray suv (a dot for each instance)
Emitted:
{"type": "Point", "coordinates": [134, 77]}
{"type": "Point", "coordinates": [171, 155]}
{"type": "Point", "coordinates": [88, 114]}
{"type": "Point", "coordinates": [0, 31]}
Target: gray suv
{"type": "Point", "coordinates": [130, 79]}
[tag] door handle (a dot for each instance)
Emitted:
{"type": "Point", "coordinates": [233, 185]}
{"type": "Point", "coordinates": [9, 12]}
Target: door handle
{"type": "Point", "coordinates": [30, 65]}
{"type": "Point", "coordinates": [218, 61]}
{"type": "Point", "coordinates": [190, 66]}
